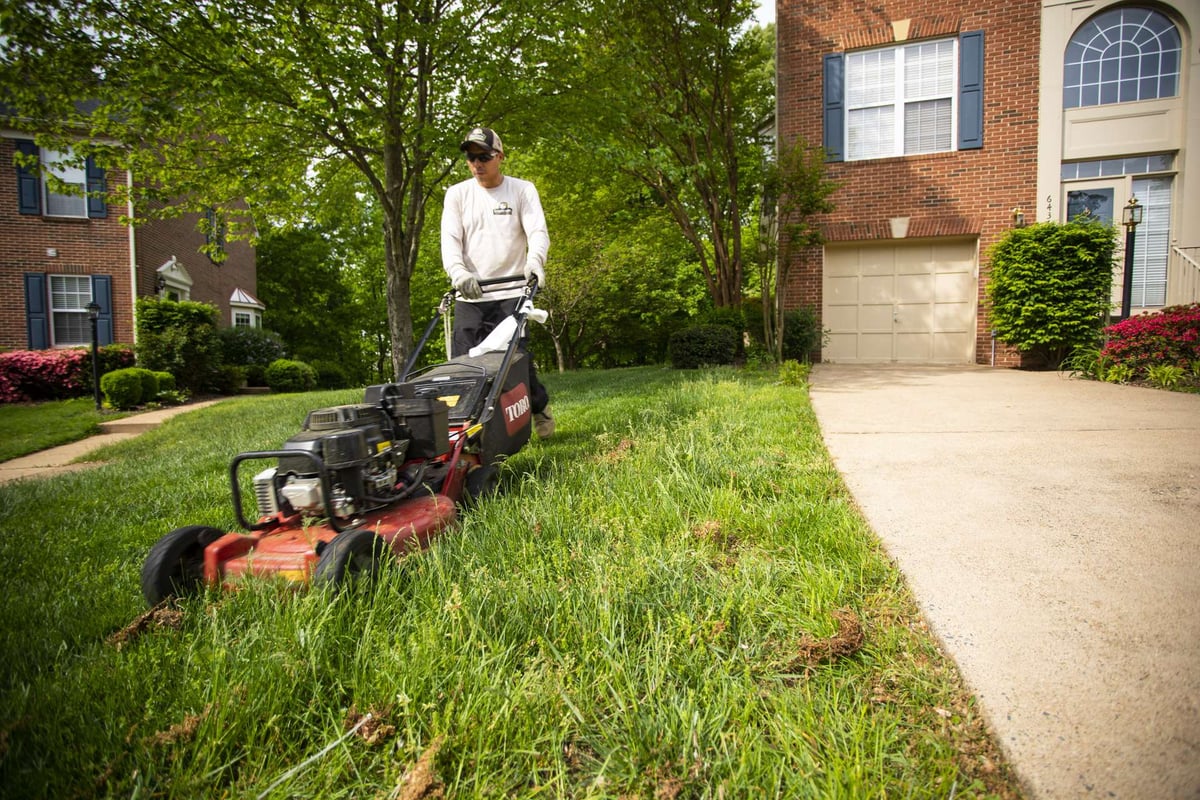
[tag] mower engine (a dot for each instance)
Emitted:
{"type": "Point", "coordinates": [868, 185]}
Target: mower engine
{"type": "Point", "coordinates": [362, 456]}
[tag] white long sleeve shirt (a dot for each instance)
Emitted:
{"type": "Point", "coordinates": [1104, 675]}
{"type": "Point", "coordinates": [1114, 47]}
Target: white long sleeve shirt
{"type": "Point", "coordinates": [493, 233]}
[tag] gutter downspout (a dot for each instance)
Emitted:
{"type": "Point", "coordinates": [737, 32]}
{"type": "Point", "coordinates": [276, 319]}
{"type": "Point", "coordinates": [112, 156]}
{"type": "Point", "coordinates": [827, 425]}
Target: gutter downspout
{"type": "Point", "coordinates": [133, 281]}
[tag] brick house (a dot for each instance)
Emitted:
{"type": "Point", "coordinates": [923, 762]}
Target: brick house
{"type": "Point", "coordinates": [59, 252]}
{"type": "Point", "coordinates": [947, 126]}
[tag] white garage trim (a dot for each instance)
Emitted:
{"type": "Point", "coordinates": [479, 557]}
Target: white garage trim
{"type": "Point", "coordinates": [909, 302]}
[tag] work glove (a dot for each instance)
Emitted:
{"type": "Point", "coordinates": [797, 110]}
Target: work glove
{"type": "Point", "coordinates": [533, 270]}
{"type": "Point", "coordinates": [468, 287]}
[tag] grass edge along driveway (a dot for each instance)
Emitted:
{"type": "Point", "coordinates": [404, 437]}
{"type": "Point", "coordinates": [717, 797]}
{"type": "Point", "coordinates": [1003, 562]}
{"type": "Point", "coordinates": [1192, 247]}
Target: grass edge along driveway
{"type": "Point", "coordinates": [675, 596]}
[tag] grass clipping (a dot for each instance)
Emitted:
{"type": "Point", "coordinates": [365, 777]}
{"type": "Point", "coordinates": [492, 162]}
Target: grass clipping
{"type": "Point", "coordinates": [847, 641]}
{"type": "Point", "coordinates": [421, 782]}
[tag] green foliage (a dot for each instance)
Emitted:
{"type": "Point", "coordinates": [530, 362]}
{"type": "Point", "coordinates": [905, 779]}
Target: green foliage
{"type": "Point", "coordinates": [244, 346]}
{"type": "Point", "coordinates": [702, 346]}
{"type": "Point", "coordinates": [330, 375]}
{"type": "Point", "coordinates": [127, 388]}
{"type": "Point", "coordinates": [228, 379]}
{"type": "Point", "coordinates": [286, 375]}
{"type": "Point", "coordinates": [1119, 373]}
{"type": "Point", "coordinates": [802, 334]}
{"type": "Point", "coordinates": [794, 373]}
{"type": "Point", "coordinates": [795, 190]}
{"type": "Point", "coordinates": [1165, 376]}
{"type": "Point", "coordinates": [166, 382]}
{"type": "Point", "coordinates": [180, 338]}
{"type": "Point", "coordinates": [692, 134]}
{"type": "Point", "coordinates": [1049, 288]}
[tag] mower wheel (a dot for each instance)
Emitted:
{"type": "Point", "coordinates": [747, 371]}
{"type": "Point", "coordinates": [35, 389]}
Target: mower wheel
{"type": "Point", "coordinates": [481, 482]}
{"type": "Point", "coordinates": [175, 564]}
{"type": "Point", "coordinates": [353, 555]}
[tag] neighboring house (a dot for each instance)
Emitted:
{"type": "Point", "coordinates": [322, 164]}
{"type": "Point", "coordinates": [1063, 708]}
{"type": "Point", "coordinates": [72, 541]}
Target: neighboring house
{"type": "Point", "coordinates": [947, 126]}
{"type": "Point", "coordinates": [59, 252]}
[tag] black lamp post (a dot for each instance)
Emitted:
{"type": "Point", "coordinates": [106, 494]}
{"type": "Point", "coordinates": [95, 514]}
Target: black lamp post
{"type": "Point", "coordinates": [93, 311]}
{"type": "Point", "coordinates": [1131, 217]}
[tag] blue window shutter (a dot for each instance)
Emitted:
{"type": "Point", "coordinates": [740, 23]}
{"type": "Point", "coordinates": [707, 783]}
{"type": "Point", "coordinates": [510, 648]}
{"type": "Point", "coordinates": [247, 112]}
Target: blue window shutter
{"type": "Point", "coordinates": [96, 187]}
{"type": "Point", "coordinates": [102, 294]}
{"type": "Point", "coordinates": [833, 98]}
{"type": "Point", "coordinates": [37, 316]}
{"type": "Point", "coordinates": [970, 90]}
{"type": "Point", "coordinates": [29, 185]}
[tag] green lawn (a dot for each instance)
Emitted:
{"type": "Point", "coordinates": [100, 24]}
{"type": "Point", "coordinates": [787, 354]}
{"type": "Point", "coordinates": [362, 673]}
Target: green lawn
{"type": "Point", "coordinates": [650, 610]}
{"type": "Point", "coordinates": [27, 427]}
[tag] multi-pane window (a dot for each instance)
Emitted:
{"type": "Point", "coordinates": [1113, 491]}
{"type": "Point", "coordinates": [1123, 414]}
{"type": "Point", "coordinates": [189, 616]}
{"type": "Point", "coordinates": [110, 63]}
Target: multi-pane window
{"type": "Point", "coordinates": [1120, 56]}
{"type": "Point", "coordinates": [900, 100]}
{"type": "Point", "coordinates": [69, 296]}
{"type": "Point", "coordinates": [65, 185]}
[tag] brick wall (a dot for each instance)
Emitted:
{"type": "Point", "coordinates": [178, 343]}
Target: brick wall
{"type": "Point", "coordinates": [80, 247]}
{"type": "Point", "coordinates": [101, 247]}
{"type": "Point", "coordinates": [969, 192]}
{"type": "Point", "coordinates": [161, 239]}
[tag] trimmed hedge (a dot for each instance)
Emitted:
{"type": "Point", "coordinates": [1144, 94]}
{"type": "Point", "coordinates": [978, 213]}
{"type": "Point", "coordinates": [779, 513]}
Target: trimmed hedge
{"type": "Point", "coordinates": [285, 375]}
{"type": "Point", "coordinates": [180, 338]}
{"type": "Point", "coordinates": [129, 388]}
{"type": "Point", "coordinates": [703, 346]}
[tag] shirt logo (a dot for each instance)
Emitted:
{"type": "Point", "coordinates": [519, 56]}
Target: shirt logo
{"type": "Point", "coordinates": [503, 210]}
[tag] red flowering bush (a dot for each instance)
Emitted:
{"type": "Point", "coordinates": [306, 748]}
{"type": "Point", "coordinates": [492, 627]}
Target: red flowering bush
{"type": "Point", "coordinates": [1170, 337]}
{"type": "Point", "coordinates": [33, 375]}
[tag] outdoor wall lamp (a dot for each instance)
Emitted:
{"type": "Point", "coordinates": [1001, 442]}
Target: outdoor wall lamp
{"type": "Point", "coordinates": [93, 312]}
{"type": "Point", "coordinates": [1018, 218]}
{"type": "Point", "coordinates": [1131, 217]}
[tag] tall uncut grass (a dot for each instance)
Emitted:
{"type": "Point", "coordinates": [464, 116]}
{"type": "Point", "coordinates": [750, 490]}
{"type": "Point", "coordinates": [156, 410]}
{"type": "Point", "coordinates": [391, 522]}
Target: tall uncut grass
{"type": "Point", "coordinates": [634, 617]}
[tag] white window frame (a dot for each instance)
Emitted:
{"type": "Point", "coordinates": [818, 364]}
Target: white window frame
{"type": "Point", "coordinates": [889, 99]}
{"type": "Point", "coordinates": [58, 164]}
{"type": "Point", "coordinates": [246, 318]}
{"type": "Point", "coordinates": [69, 303]}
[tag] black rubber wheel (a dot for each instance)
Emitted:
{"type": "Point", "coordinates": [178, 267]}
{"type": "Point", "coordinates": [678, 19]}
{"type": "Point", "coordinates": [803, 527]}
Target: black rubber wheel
{"type": "Point", "coordinates": [175, 565]}
{"type": "Point", "coordinates": [481, 483]}
{"type": "Point", "coordinates": [352, 556]}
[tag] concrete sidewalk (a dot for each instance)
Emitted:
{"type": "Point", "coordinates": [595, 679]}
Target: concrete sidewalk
{"type": "Point", "coordinates": [1050, 531]}
{"type": "Point", "coordinates": [58, 460]}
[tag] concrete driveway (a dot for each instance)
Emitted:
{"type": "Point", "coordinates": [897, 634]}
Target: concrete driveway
{"type": "Point", "coordinates": [1050, 530]}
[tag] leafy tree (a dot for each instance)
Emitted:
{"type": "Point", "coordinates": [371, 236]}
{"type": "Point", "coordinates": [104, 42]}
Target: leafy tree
{"type": "Point", "coordinates": [677, 94]}
{"type": "Point", "coordinates": [794, 190]}
{"type": "Point", "coordinates": [619, 273]}
{"type": "Point", "coordinates": [219, 102]}
{"type": "Point", "coordinates": [1050, 287]}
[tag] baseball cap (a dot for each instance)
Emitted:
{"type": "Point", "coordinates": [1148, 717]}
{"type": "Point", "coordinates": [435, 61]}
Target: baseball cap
{"type": "Point", "coordinates": [484, 137]}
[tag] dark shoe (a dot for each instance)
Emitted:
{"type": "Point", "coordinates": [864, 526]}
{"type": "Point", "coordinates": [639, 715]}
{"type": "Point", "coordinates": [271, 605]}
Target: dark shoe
{"type": "Point", "coordinates": [543, 423]}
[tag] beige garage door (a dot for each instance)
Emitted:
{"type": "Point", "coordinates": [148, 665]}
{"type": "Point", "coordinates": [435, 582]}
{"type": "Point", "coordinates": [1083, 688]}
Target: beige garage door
{"type": "Point", "coordinates": [910, 302]}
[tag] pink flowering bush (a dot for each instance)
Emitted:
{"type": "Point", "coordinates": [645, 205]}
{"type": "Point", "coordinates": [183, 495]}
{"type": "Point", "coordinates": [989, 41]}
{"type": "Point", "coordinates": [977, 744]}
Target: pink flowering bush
{"type": "Point", "coordinates": [33, 375]}
{"type": "Point", "coordinates": [1168, 338]}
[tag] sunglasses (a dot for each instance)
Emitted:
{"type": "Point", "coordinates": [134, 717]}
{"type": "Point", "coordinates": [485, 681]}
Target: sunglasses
{"type": "Point", "coordinates": [482, 158]}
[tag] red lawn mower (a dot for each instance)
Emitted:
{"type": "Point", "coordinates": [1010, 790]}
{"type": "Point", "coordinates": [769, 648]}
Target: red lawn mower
{"type": "Point", "coordinates": [362, 480]}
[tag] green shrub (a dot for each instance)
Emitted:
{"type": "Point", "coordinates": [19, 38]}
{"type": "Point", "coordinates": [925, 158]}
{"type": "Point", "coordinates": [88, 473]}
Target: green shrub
{"type": "Point", "coordinates": [1172, 336]}
{"type": "Point", "coordinates": [149, 384]}
{"type": "Point", "coordinates": [1050, 285]}
{"type": "Point", "coordinates": [166, 382]}
{"type": "Point", "coordinates": [245, 347]}
{"type": "Point", "coordinates": [1164, 376]}
{"type": "Point", "coordinates": [703, 345]}
{"type": "Point", "coordinates": [794, 373]}
{"type": "Point", "coordinates": [256, 375]}
{"type": "Point", "coordinates": [125, 388]}
{"type": "Point", "coordinates": [802, 334]}
{"type": "Point", "coordinates": [228, 379]}
{"type": "Point", "coordinates": [180, 338]}
{"type": "Point", "coordinates": [330, 375]}
{"type": "Point", "coordinates": [285, 375]}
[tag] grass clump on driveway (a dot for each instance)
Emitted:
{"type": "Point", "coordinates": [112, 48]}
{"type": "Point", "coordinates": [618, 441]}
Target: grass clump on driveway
{"type": "Point", "coordinates": [673, 597]}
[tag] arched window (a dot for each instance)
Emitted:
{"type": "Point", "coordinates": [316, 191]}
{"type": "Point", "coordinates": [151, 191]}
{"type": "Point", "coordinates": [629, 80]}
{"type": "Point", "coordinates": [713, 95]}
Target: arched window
{"type": "Point", "coordinates": [1119, 56]}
